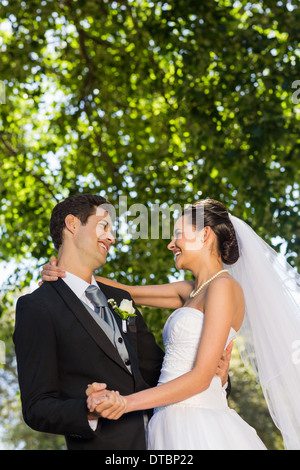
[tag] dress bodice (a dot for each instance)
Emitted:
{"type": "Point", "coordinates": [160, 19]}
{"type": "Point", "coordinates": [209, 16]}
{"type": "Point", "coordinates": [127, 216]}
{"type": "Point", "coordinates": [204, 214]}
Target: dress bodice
{"type": "Point", "coordinates": [203, 421]}
{"type": "Point", "coordinates": [181, 336]}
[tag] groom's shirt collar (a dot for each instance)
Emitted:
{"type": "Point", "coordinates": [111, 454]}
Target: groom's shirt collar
{"type": "Point", "coordinates": [79, 286]}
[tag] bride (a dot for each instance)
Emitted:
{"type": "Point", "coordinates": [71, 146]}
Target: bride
{"type": "Point", "coordinates": [190, 405]}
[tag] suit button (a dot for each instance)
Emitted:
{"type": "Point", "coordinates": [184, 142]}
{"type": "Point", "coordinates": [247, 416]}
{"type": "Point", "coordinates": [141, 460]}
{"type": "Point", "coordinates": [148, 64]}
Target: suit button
{"type": "Point", "coordinates": [127, 362]}
{"type": "Point", "coordinates": [120, 340]}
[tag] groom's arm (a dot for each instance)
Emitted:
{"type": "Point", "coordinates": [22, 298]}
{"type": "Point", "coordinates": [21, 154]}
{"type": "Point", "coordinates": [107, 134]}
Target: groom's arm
{"type": "Point", "coordinates": [223, 368]}
{"type": "Point", "coordinates": [44, 409]}
{"type": "Point", "coordinates": [150, 355]}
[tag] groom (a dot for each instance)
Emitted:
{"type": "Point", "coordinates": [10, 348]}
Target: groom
{"type": "Point", "coordinates": [63, 344]}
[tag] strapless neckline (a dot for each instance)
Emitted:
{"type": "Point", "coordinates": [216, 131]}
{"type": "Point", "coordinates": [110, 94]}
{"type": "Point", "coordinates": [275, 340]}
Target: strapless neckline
{"type": "Point", "coordinates": [196, 310]}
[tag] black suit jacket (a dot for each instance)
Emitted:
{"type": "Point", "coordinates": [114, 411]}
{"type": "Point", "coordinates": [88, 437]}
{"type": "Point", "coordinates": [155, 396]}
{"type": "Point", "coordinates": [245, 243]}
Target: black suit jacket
{"type": "Point", "coordinates": [60, 349]}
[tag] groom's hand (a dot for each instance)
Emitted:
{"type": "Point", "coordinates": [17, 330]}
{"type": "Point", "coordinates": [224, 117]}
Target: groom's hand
{"type": "Point", "coordinates": [223, 366]}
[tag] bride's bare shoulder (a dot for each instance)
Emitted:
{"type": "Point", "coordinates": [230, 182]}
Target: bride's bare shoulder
{"type": "Point", "coordinates": [232, 293]}
{"type": "Point", "coordinates": [228, 287]}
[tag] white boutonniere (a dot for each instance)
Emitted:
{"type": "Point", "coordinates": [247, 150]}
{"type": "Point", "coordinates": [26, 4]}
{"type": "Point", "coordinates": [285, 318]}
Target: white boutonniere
{"type": "Point", "coordinates": [125, 311]}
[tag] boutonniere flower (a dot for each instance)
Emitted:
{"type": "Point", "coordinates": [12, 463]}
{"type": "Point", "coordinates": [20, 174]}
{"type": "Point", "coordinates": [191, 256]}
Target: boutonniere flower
{"type": "Point", "coordinates": [125, 311]}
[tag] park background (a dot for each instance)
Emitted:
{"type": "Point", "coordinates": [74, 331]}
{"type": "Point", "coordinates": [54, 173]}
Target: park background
{"type": "Point", "coordinates": [160, 102]}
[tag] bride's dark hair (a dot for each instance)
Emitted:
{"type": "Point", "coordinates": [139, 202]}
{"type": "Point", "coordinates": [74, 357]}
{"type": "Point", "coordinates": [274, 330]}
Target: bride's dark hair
{"type": "Point", "coordinates": [216, 216]}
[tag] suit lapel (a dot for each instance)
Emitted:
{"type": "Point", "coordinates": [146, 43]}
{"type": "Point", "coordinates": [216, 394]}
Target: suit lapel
{"type": "Point", "coordinates": [74, 304]}
{"type": "Point", "coordinates": [116, 294]}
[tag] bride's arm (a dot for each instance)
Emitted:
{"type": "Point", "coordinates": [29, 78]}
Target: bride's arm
{"type": "Point", "coordinates": [171, 295]}
{"type": "Point", "coordinates": [219, 311]}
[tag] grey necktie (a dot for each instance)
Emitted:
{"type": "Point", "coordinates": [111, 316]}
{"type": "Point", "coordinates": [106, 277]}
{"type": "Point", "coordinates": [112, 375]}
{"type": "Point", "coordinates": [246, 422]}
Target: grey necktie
{"type": "Point", "coordinates": [98, 299]}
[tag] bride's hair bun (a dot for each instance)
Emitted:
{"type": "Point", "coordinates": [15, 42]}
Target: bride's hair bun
{"type": "Point", "coordinates": [229, 248]}
{"type": "Point", "coordinates": [216, 216]}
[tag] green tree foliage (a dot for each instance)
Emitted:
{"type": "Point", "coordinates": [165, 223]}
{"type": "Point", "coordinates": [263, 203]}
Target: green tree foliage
{"type": "Point", "coordinates": [161, 102]}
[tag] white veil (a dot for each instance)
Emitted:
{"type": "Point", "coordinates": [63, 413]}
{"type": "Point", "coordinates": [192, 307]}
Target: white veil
{"type": "Point", "coordinates": [271, 328]}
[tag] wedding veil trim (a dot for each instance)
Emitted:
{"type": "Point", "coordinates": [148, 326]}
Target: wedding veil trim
{"type": "Point", "coordinates": [270, 334]}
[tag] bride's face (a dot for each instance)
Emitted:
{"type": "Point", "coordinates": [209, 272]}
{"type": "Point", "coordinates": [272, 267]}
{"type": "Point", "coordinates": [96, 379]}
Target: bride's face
{"type": "Point", "coordinates": [186, 244]}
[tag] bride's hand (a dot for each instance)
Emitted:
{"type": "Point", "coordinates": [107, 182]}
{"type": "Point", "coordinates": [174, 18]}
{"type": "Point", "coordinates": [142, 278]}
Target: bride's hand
{"type": "Point", "coordinates": [105, 403]}
{"type": "Point", "coordinates": [51, 272]}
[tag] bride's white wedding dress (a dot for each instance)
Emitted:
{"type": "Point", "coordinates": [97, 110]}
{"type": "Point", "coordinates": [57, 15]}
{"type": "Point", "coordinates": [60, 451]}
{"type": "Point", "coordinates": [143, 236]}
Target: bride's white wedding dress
{"type": "Point", "coordinates": [203, 421]}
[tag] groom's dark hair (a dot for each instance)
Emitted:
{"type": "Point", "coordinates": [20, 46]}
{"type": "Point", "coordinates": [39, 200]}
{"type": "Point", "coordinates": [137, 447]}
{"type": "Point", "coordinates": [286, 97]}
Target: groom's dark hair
{"type": "Point", "coordinates": [79, 205]}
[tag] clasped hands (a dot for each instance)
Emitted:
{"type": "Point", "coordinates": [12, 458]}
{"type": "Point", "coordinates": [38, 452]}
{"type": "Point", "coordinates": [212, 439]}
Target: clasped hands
{"type": "Point", "coordinates": [103, 403]}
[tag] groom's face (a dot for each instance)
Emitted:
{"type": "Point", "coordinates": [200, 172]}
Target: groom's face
{"type": "Point", "coordinates": [94, 239]}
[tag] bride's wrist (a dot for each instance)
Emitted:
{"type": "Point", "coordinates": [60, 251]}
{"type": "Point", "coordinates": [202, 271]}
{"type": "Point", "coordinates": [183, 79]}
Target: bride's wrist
{"type": "Point", "coordinates": [129, 404]}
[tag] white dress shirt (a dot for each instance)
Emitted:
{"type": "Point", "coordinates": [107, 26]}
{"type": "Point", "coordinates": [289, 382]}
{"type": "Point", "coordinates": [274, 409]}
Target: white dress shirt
{"type": "Point", "coordinates": [79, 286]}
